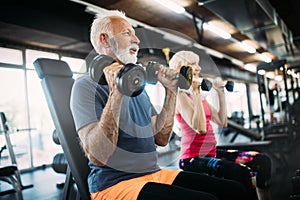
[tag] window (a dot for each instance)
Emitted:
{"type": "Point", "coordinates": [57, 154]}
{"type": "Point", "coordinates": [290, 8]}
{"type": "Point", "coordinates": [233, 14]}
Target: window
{"type": "Point", "coordinates": [77, 65]}
{"type": "Point", "coordinates": [237, 100]}
{"type": "Point", "coordinates": [11, 56]}
{"type": "Point", "coordinates": [13, 104]}
{"type": "Point", "coordinates": [43, 147]}
{"type": "Point", "coordinates": [32, 55]}
{"type": "Point", "coordinates": [24, 105]}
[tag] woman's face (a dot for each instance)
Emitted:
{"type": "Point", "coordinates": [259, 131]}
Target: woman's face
{"type": "Point", "coordinates": [196, 70]}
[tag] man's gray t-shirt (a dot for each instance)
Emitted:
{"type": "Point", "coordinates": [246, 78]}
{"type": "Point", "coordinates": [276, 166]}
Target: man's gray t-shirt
{"type": "Point", "coordinates": [135, 154]}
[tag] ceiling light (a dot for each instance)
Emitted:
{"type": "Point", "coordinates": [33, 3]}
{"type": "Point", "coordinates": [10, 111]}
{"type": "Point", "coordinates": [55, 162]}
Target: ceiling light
{"type": "Point", "coordinates": [270, 75]}
{"type": "Point", "coordinates": [294, 75]}
{"type": "Point", "coordinates": [216, 30]}
{"type": "Point", "coordinates": [261, 72]}
{"type": "Point", "coordinates": [250, 67]}
{"type": "Point", "coordinates": [203, 2]}
{"type": "Point", "coordinates": [177, 39]}
{"type": "Point", "coordinates": [199, 46]}
{"type": "Point", "coordinates": [247, 47]}
{"type": "Point", "coordinates": [172, 6]}
{"type": "Point", "coordinates": [237, 62]}
{"type": "Point", "coordinates": [265, 58]}
{"type": "Point", "coordinates": [278, 78]}
{"type": "Point", "coordinates": [214, 53]}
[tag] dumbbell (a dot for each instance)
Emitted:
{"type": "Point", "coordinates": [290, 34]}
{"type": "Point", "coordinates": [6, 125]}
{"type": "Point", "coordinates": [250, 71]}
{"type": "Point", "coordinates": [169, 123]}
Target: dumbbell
{"type": "Point", "coordinates": [206, 85]}
{"type": "Point", "coordinates": [185, 75]}
{"type": "Point", "coordinates": [130, 79]}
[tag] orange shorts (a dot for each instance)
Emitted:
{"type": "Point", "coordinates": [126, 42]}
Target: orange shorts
{"type": "Point", "coordinates": [130, 189]}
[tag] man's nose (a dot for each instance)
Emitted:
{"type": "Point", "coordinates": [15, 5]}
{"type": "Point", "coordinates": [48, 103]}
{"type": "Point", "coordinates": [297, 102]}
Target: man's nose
{"type": "Point", "coordinates": [135, 39]}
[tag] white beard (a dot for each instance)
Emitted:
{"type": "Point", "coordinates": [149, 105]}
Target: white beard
{"type": "Point", "coordinates": [125, 57]}
{"type": "Point", "coordinates": [123, 54]}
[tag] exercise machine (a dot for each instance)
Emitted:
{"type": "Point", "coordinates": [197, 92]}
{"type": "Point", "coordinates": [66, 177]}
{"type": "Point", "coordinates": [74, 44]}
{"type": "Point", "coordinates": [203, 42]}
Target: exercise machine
{"type": "Point", "coordinates": [10, 173]}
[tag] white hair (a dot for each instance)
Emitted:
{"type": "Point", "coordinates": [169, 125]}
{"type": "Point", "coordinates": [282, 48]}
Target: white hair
{"type": "Point", "coordinates": [102, 24]}
{"type": "Point", "coordinates": [183, 58]}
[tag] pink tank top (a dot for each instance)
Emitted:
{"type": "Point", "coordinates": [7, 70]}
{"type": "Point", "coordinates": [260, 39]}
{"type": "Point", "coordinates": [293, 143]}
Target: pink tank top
{"type": "Point", "coordinates": [194, 144]}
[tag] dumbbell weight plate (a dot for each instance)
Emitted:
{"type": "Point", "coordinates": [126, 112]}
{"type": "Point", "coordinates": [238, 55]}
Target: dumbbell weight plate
{"type": "Point", "coordinates": [229, 86]}
{"type": "Point", "coordinates": [131, 80]}
{"type": "Point", "coordinates": [185, 78]}
{"type": "Point", "coordinates": [96, 68]}
{"type": "Point", "coordinates": [206, 85]}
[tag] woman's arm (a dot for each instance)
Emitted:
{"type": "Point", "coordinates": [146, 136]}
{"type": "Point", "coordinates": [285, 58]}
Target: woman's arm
{"type": "Point", "coordinates": [191, 109]}
{"type": "Point", "coordinates": [219, 117]}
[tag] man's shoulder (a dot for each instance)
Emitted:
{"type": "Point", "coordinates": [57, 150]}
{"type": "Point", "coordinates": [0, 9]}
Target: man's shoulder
{"type": "Point", "coordinates": [84, 79]}
{"type": "Point", "coordinates": [85, 84]}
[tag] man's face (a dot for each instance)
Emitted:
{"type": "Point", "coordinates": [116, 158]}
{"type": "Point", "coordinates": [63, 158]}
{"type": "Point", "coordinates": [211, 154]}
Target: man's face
{"type": "Point", "coordinates": [124, 43]}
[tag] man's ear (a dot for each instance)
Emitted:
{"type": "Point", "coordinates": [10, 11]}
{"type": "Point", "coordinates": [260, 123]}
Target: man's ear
{"type": "Point", "coordinates": [104, 39]}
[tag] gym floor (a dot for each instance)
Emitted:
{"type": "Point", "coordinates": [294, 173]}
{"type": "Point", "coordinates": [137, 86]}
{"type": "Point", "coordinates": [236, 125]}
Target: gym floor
{"type": "Point", "coordinates": [44, 183]}
{"type": "Point", "coordinates": [45, 180]}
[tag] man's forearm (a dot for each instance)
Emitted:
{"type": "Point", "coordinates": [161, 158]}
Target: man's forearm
{"type": "Point", "coordinates": [102, 139]}
{"type": "Point", "coordinates": [165, 120]}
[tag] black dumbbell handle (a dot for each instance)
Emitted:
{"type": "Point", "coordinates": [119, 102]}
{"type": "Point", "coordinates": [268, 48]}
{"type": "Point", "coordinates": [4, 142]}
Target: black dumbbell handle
{"type": "Point", "coordinates": [184, 76]}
